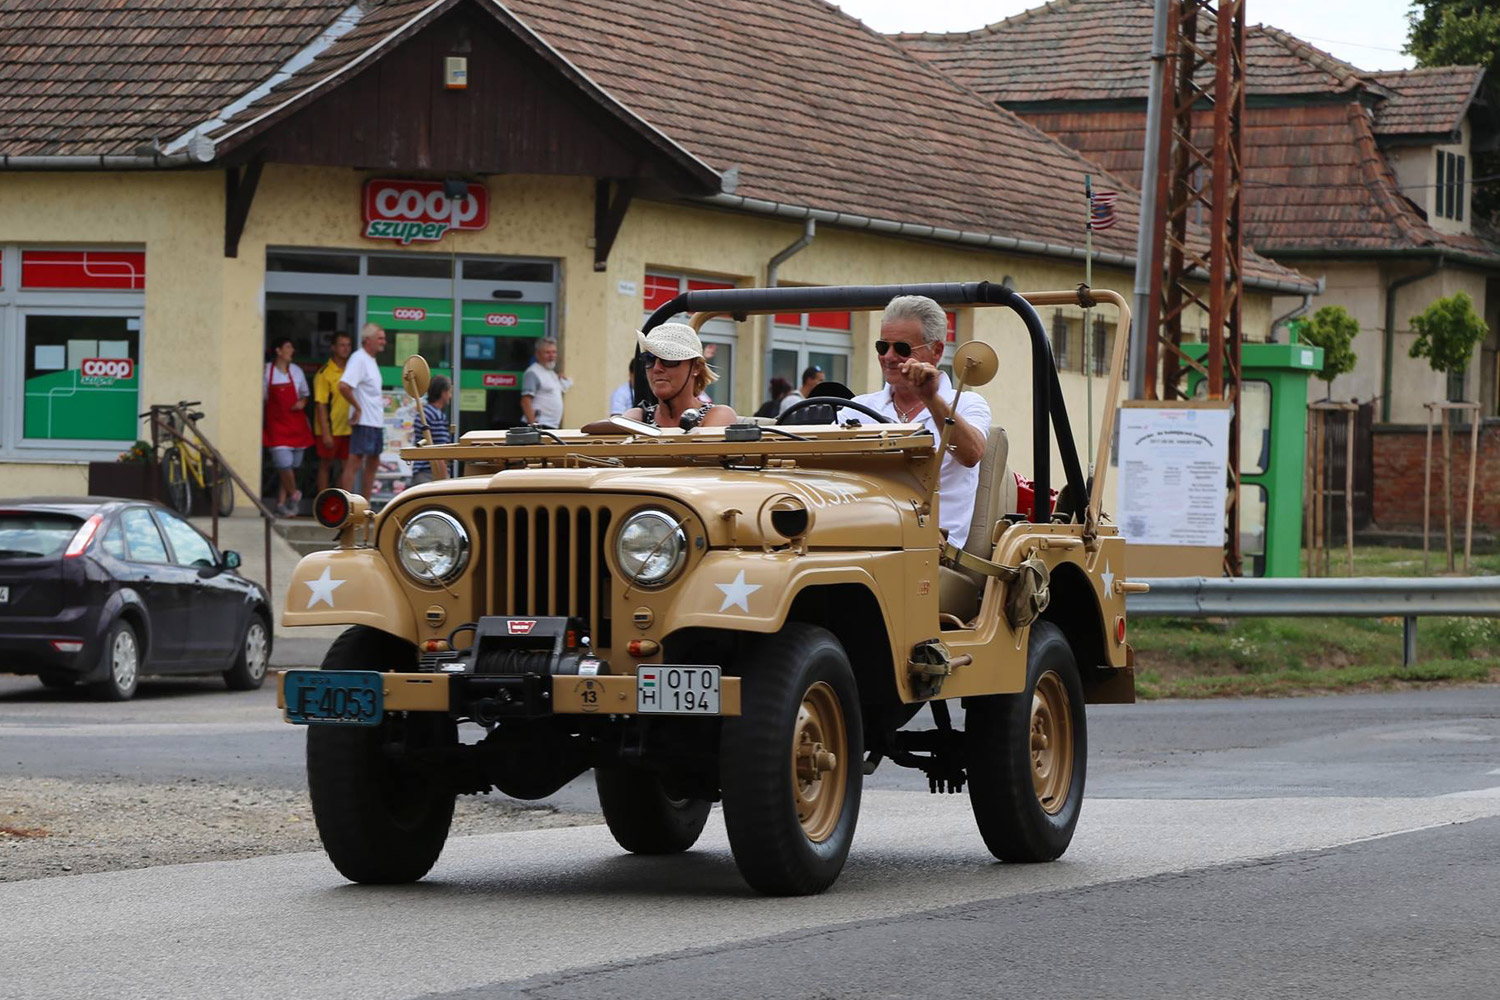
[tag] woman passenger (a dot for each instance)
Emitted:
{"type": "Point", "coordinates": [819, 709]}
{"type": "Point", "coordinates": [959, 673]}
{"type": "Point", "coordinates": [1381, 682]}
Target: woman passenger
{"type": "Point", "coordinates": [672, 358]}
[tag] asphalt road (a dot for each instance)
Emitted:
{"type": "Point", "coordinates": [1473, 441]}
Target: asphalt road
{"type": "Point", "coordinates": [1322, 847]}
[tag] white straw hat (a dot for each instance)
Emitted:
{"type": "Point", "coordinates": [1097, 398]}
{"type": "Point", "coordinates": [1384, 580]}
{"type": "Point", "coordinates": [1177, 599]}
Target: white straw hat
{"type": "Point", "coordinates": [671, 342]}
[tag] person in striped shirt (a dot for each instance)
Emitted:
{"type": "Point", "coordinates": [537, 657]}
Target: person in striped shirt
{"type": "Point", "coordinates": [435, 416]}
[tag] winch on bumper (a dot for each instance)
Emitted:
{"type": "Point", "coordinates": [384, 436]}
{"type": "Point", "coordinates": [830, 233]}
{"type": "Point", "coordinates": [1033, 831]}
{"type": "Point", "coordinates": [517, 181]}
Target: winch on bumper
{"type": "Point", "coordinates": [516, 668]}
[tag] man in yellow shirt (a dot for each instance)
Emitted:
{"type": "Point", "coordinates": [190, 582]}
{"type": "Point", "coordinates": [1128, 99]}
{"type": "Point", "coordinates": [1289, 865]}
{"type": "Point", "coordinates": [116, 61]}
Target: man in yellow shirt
{"type": "Point", "coordinates": [332, 411]}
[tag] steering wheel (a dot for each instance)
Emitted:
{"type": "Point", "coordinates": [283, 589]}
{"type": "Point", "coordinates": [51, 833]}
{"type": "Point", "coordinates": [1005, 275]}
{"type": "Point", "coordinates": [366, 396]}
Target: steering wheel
{"type": "Point", "coordinates": [834, 401]}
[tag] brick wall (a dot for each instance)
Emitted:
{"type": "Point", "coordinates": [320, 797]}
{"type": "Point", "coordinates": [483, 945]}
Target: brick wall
{"type": "Point", "coordinates": [1399, 455]}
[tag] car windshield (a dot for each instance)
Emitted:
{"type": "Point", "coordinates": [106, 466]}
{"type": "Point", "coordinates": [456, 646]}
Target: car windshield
{"type": "Point", "coordinates": [30, 536]}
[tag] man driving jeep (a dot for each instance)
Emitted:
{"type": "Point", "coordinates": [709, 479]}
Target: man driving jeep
{"type": "Point", "coordinates": [913, 330]}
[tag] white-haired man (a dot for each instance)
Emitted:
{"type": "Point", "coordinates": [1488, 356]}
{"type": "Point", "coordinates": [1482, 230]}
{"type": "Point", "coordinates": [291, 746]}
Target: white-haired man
{"type": "Point", "coordinates": [542, 387]}
{"type": "Point", "coordinates": [913, 330]}
{"type": "Point", "coordinates": [360, 385]}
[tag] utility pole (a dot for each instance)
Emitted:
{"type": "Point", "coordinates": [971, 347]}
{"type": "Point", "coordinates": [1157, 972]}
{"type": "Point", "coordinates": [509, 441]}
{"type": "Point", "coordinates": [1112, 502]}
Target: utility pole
{"type": "Point", "coordinates": [1199, 182]}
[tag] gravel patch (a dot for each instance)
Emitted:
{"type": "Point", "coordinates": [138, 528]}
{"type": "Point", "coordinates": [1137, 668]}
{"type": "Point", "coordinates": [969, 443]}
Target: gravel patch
{"type": "Point", "coordinates": [50, 827]}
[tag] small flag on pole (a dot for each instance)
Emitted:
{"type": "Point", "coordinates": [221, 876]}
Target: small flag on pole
{"type": "Point", "coordinates": [1101, 210]}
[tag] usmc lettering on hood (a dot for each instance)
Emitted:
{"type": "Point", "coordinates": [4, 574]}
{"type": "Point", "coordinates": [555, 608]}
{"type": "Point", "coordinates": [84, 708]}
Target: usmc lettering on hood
{"type": "Point", "coordinates": [419, 211]}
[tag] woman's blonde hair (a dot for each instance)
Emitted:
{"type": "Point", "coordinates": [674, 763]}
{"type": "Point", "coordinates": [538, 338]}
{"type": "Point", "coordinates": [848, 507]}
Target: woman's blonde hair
{"type": "Point", "coordinates": [703, 376]}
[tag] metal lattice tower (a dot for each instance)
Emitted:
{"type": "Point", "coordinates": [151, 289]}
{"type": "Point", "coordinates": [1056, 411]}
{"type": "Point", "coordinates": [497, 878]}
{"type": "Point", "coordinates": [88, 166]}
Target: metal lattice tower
{"type": "Point", "coordinates": [1200, 183]}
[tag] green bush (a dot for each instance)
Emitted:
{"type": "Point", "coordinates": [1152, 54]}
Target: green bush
{"type": "Point", "coordinates": [1447, 333]}
{"type": "Point", "coordinates": [1334, 330]}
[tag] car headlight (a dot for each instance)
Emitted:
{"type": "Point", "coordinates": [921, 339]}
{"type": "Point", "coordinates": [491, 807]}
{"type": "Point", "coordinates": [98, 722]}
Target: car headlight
{"type": "Point", "coordinates": [433, 547]}
{"type": "Point", "coordinates": [650, 547]}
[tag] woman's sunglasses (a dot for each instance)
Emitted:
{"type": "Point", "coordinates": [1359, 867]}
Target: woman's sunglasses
{"type": "Point", "coordinates": [901, 347]}
{"type": "Point", "coordinates": [648, 360]}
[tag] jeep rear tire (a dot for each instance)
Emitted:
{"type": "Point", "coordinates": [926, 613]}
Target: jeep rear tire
{"type": "Point", "coordinates": [643, 818]}
{"type": "Point", "coordinates": [382, 820]}
{"type": "Point", "coordinates": [791, 763]}
{"type": "Point", "coordinates": [1026, 755]}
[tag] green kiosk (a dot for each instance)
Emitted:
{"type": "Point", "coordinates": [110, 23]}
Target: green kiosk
{"type": "Point", "coordinates": [1273, 450]}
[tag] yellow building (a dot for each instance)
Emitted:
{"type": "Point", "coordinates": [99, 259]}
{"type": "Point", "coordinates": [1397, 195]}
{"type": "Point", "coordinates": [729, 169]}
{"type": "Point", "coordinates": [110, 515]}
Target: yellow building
{"type": "Point", "coordinates": [472, 176]}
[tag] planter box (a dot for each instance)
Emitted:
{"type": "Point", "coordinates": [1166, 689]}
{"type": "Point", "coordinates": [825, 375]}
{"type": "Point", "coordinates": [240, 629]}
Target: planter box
{"type": "Point", "coordinates": [130, 480]}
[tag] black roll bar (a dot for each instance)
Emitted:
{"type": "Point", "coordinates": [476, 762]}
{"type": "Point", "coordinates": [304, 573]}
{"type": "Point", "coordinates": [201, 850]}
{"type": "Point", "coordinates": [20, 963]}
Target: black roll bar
{"type": "Point", "coordinates": [1048, 410]}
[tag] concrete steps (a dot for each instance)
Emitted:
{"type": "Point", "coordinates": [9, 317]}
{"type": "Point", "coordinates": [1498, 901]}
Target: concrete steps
{"type": "Point", "coordinates": [305, 535]}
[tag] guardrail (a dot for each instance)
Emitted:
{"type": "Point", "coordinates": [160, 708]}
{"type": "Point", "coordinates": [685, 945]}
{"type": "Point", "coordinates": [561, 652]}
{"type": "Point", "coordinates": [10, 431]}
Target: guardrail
{"type": "Point", "coordinates": [1407, 598]}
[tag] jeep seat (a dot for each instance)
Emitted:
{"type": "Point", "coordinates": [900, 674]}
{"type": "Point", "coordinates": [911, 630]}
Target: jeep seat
{"type": "Point", "coordinates": [959, 590]}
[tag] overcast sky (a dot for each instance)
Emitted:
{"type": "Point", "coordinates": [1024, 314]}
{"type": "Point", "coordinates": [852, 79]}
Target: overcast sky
{"type": "Point", "coordinates": [1367, 33]}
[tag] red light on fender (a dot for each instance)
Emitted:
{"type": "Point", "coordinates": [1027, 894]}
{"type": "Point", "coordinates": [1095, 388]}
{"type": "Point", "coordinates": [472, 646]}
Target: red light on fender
{"type": "Point", "coordinates": [332, 508]}
{"type": "Point", "coordinates": [83, 536]}
{"type": "Point", "coordinates": [643, 647]}
{"type": "Point", "coordinates": [1120, 629]}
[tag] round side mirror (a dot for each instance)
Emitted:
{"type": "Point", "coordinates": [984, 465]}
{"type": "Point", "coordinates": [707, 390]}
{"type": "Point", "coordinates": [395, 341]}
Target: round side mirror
{"type": "Point", "coordinates": [975, 364]}
{"type": "Point", "coordinates": [230, 559]}
{"type": "Point", "coordinates": [416, 376]}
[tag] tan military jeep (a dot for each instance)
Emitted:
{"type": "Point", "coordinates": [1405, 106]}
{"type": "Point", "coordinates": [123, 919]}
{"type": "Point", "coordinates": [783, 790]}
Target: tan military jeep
{"type": "Point", "coordinates": [747, 614]}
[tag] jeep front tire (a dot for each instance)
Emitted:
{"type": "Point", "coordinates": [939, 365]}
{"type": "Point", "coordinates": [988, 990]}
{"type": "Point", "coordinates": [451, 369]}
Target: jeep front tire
{"type": "Point", "coordinates": [791, 762]}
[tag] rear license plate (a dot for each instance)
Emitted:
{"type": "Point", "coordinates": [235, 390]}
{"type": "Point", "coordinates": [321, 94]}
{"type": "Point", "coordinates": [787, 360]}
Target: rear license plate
{"type": "Point", "coordinates": [4, 595]}
{"type": "Point", "coordinates": [677, 690]}
{"type": "Point", "coordinates": [340, 697]}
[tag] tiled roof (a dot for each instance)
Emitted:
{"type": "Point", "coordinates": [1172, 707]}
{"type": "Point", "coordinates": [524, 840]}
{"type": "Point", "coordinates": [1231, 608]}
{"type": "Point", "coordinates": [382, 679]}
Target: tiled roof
{"type": "Point", "coordinates": [813, 108]}
{"type": "Point", "coordinates": [1314, 179]}
{"type": "Point", "coordinates": [1427, 101]}
{"type": "Point", "coordinates": [105, 76]}
{"type": "Point", "coordinates": [1074, 50]}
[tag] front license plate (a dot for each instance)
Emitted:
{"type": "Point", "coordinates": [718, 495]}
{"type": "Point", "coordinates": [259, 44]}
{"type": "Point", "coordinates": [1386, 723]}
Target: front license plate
{"type": "Point", "coordinates": [341, 697]}
{"type": "Point", "coordinates": [677, 690]}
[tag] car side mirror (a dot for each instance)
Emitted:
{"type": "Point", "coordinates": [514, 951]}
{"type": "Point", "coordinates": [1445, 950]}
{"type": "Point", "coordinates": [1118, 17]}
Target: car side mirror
{"type": "Point", "coordinates": [229, 559]}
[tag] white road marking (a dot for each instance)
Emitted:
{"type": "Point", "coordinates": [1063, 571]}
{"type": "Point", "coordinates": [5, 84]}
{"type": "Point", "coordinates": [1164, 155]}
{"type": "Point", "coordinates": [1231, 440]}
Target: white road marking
{"type": "Point", "coordinates": [269, 926]}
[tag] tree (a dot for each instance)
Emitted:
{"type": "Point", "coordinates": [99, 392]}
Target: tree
{"type": "Point", "coordinates": [1463, 33]}
{"type": "Point", "coordinates": [1334, 330]}
{"type": "Point", "coordinates": [1447, 333]}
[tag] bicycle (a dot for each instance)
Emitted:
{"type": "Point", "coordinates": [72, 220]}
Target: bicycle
{"type": "Point", "coordinates": [183, 463]}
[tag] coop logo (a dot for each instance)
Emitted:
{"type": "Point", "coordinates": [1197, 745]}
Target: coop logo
{"type": "Point", "coordinates": [419, 211]}
{"type": "Point", "coordinates": [499, 380]}
{"type": "Point", "coordinates": [105, 371]}
{"type": "Point", "coordinates": [414, 314]}
{"type": "Point", "coordinates": [501, 319]}
{"type": "Point", "coordinates": [520, 627]}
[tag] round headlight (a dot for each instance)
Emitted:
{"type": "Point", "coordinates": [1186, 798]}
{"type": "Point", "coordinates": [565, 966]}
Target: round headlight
{"type": "Point", "coordinates": [433, 547]}
{"type": "Point", "coordinates": [650, 547]}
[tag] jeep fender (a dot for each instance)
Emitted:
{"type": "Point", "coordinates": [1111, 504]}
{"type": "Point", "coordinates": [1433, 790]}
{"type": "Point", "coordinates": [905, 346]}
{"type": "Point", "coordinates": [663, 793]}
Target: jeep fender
{"type": "Point", "coordinates": [348, 587]}
{"type": "Point", "coordinates": [748, 591]}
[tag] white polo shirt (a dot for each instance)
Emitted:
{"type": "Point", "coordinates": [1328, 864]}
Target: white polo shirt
{"type": "Point", "coordinates": [957, 482]}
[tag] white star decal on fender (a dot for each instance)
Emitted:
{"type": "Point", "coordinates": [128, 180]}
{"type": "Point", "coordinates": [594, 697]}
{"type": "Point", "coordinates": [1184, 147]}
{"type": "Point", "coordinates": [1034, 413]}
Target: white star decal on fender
{"type": "Point", "coordinates": [323, 587]}
{"type": "Point", "coordinates": [1109, 580]}
{"type": "Point", "coordinates": [737, 594]}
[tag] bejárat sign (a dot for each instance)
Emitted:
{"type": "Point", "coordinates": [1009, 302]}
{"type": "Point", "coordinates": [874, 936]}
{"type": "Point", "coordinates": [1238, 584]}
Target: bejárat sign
{"type": "Point", "coordinates": [409, 211]}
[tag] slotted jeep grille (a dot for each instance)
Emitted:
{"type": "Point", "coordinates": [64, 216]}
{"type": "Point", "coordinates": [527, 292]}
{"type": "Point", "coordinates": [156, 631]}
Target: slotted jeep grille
{"type": "Point", "coordinates": [547, 558]}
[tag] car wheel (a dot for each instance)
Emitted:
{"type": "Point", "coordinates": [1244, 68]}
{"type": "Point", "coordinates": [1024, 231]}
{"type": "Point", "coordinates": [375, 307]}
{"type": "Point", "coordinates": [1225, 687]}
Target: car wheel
{"type": "Point", "coordinates": [790, 764]}
{"type": "Point", "coordinates": [249, 670]}
{"type": "Point", "coordinates": [122, 663]}
{"type": "Point", "coordinates": [226, 495]}
{"type": "Point", "coordinates": [382, 819]}
{"type": "Point", "coordinates": [1026, 755]}
{"type": "Point", "coordinates": [643, 818]}
{"type": "Point", "coordinates": [57, 682]}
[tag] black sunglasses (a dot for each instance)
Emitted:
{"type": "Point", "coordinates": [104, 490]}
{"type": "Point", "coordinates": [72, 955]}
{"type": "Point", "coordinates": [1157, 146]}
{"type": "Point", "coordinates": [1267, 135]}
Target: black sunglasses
{"type": "Point", "coordinates": [902, 348]}
{"type": "Point", "coordinates": [648, 359]}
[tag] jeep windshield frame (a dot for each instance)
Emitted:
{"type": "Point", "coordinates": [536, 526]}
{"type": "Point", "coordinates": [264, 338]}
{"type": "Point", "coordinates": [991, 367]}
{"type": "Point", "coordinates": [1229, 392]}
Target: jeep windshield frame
{"type": "Point", "coordinates": [1048, 410]}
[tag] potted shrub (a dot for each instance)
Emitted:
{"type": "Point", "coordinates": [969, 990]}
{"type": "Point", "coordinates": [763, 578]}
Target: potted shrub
{"type": "Point", "coordinates": [132, 475]}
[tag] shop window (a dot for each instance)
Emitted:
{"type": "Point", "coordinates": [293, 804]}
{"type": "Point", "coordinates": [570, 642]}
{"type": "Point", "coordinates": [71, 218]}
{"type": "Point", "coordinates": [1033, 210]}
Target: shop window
{"type": "Point", "coordinates": [312, 263]}
{"type": "Point", "coordinates": [80, 376]}
{"type": "Point", "coordinates": [508, 270]}
{"type": "Point", "coordinates": [411, 266]}
{"type": "Point", "coordinates": [93, 270]}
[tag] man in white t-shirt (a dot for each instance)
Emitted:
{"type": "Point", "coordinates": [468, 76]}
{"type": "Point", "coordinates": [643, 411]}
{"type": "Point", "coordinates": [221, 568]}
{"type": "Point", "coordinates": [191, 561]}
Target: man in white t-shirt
{"type": "Point", "coordinates": [360, 385]}
{"type": "Point", "coordinates": [542, 387]}
{"type": "Point", "coordinates": [913, 330]}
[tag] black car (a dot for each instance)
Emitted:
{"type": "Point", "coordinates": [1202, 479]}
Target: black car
{"type": "Point", "coordinates": [100, 591]}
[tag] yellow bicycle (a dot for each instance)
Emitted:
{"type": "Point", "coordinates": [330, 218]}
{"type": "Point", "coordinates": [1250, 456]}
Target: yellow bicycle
{"type": "Point", "coordinates": [184, 464]}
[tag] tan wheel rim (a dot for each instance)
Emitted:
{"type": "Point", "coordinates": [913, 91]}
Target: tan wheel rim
{"type": "Point", "coordinates": [1051, 743]}
{"type": "Point", "coordinates": [820, 765]}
